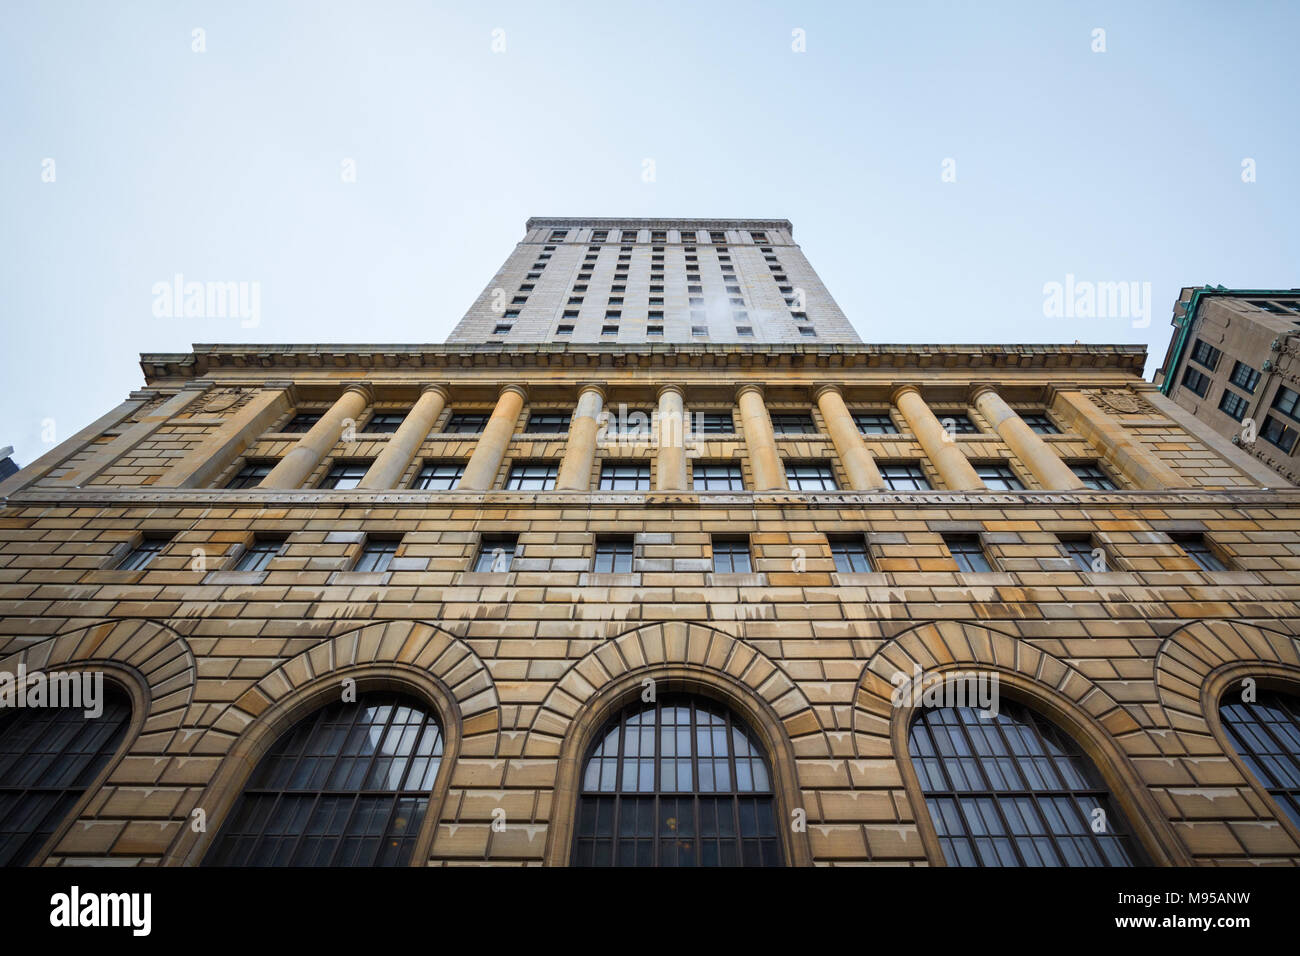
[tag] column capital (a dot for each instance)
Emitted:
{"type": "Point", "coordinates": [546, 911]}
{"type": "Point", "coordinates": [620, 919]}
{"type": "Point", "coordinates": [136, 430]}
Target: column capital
{"type": "Point", "coordinates": [750, 387]}
{"type": "Point", "coordinates": [436, 389]}
{"type": "Point", "coordinates": [823, 389]}
{"type": "Point", "coordinates": [979, 388]}
{"type": "Point", "coordinates": [901, 389]}
{"type": "Point", "coordinates": [517, 389]}
{"type": "Point", "coordinates": [1051, 391]}
{"type": "Point", "coordinates": [670, 387]}
{"type": "Point", "coordinates": [592, 387]}
{"type": "Point", "coordinates": [361, 388]}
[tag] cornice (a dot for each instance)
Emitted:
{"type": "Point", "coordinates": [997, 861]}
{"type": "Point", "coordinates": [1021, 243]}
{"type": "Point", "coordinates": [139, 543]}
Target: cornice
{"type": "Point", "coordinates": [578, 222]}
{"type": "Point", "coordinates": [918, 359]}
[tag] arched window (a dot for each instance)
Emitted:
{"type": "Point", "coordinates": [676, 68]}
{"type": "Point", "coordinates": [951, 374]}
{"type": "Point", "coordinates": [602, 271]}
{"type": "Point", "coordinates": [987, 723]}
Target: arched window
{"type": "Point", "coordinates": [679, 782]}
{"type": "Point", "coordinates": [1014, 790]}
{"type": "Point", "coordinates": [347, 786]}
{"type": "Point", "coordinates": [48, 757]}
{"type": "Point", "coordinates": [1266, 733]}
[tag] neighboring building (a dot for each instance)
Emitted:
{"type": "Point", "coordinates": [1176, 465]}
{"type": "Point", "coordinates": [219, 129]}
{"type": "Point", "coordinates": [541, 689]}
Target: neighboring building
{"type": "Point", "coordinates": [653, 603]}
{"type": "Point", "coordinates": [1232, 362]}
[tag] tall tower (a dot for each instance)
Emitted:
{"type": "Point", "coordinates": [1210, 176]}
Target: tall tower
{"type": "Point", "coordinates": [639, 281]}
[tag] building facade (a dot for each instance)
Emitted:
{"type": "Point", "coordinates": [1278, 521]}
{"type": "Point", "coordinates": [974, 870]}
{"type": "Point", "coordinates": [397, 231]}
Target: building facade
{"type": "Point", "coordinates": [588, 602]}
{"type": "Point", "coordinates": [1232, 362]}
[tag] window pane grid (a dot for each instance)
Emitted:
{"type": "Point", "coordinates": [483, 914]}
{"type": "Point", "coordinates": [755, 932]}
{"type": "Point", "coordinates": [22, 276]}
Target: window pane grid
{"type": "Point", "coordinates": [613, 555]}
{"type": "Point", "coordinates": [731, 556]}
{"type": "Point", "coordinates": [810, 476]}
{"type": "Point", "coordinates": [1013, 790]}
{"type": "Point", "coordinates": [902, 476]}
{"type": "Point", "coordinates": [625, 476]}
{"type": "Point", "coordinates": [48, 757]}
{"type": "Point", "coordinates": [532, 476]}
{"type": "Point", "coordinates": [1266, 735]}
{"type": "Point", "coordinates": [347, 786]}
{"type": "Point", "coordinates": [873, 423]}
{"type": "Point", "coordinates": [439, 476]}
{"type": "Point", "coordinates": [676, 783]}
{"type": "Point", "coordinates": [717, 476]}
{"type": "Point", "coordinates": [851, 554]}
{"type": "Point", "coordinates": [376, 554]}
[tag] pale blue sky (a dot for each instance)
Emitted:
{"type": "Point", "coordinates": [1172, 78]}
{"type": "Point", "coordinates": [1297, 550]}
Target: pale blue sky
{"type": "Point", "coordinates": [225, 165]}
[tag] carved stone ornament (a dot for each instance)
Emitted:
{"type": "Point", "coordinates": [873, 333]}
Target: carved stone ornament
{"type": "Point", "coordinates": [1122, 401]}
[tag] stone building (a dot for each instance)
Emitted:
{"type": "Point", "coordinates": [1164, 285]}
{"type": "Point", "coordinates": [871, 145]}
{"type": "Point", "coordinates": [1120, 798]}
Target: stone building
{"type": "Point", "coordinates": [520, 600]}
{"type": "Point", "coordinates": [1232, 363]}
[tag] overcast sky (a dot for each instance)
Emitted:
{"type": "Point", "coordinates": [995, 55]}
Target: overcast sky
{"type": "Point", "coordinates": [941, 164]}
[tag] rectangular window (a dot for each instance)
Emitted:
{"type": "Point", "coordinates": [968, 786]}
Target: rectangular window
{"type": "Point", "coordinates": [850, 553]}
{"type": "Point", "coordinates": [302, 422]}
{"type": "Point", "coordinates": [557, 235]}
{"type": "Point", "coordinates": [1205, 354]}
{"type": "Point", "coordinates": [657, 330]}
{"type": "Point", "coordinates": [599, 235]}
{"type": "Point", "coordinates": [502, 329]}
{"type": "Point", "coordinates": [142, 555]}
{"type": "Point", "coordinates": [466, 423]}
{"type": "Point", "coordinates": [1288, 403]}
{"type": "Point", "coordinates": [1079, 548]}
{"type": "Point", "coordinates": [717, 476]}
{"type": "Point", "coordinates": [532, 476]}
{"type": "Point", "coordinates": [1196, 381]}
{"type": "Point", "coordinates": [564, 330]}
{"type": "Point", "coordinates": [1244, 377]}
{"type": "Point", "coordinates": [384, 423]}
{"type": "Point", "coordinates": [807, 332]}
{"type": "Point", "coordinates": [609, 330]}
{"type": "Point", "coordinates": [345, 475]}
{"type": "Point", "coordinates": [1041, 424]}
{"type": "Point", "coordinates": [875, 423]}
{"type": "Point", "coordinates": [1267, 306]}
{"type": "Point", "coordinates": [810, 476]}
{"type": "Point", "coordinates": [547, 423]}
{"type": "Point", "coordinates": [957, 423]}
{"type": "Point", "coordinates": [259, 553]}
{"type": "Point", "coordinates": [998, 476]}
{"type": "Point", "coordinates": [1199, 550]}
{"type": "Point", "coordinates": [496, 552]}
{"type": "Point", "coordinates": [1278, 433]}
{"type": "Point", "coordinates": [613, 554]}
{"type": "Point", "coordinates": [904, 476]}
{"type": "Point", "coordinates": [1233, 405]}
{"type": "Point", "coordinates": [1093, 476]}
{"type": "Point", "coordinates": [376, 553]}
{"type": "Point", "coordinates": [439, 476]}
{"type": "Point", "coordinates": [251, 474]}
{"type": "Point", "coordinates": [714, 423]}
{"type": "Point", "coordinates": [625, 476]}
{"type": "Point", "coordinates": [744, 331]}
{"type": "Point", "coordinates": [731, 555]}
{"type": "Point", "coordinates": [793, 423]}
{"type": "Point", "coordinates": [968, 552]}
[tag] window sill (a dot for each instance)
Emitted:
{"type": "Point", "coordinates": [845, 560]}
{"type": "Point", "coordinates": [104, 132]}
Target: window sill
{"type": "Point", "coordinates": [731, 579]}
{"type": "Point", "coordinates": [360, 578]}
{"type": "Point", "coordinates": [235, 577]}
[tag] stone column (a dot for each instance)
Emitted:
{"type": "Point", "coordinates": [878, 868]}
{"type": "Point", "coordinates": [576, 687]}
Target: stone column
{"type": "Point", "coordinates": [481, 471]}
{"type": "Point", "coordinates": [670, 461]}
{"type": "Point", "coordinates": [295, 467]}
{"type": "Point", "coordinates": [852, 450]}
{"type": "Point", "coordinates": [954, 469]}
{"type": "Point", "coordinates": [764, 461]}
{"type": "Point", "coordinates": [201, 466]}
{"type": "Point", "coordinates": [580, 449]}
{"type": "Point", "coordinates": [1111, 438]}
{"type": "Point", "coordinates": [387, 469]}
{"type": "Point", "coordinates": [1036, 454]}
